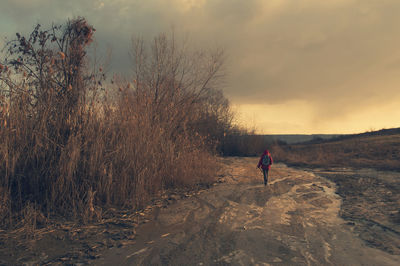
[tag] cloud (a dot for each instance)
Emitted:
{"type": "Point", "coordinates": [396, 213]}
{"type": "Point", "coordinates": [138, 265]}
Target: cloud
{"type": "Point", "coordinates": [336, 56]}
{"type": "Point", "coordinates": [326, 54]}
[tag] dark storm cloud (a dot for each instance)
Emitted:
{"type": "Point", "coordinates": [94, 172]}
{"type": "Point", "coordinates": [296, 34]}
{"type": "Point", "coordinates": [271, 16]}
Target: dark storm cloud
{"type": "Point", "coordinates": [335, 55]}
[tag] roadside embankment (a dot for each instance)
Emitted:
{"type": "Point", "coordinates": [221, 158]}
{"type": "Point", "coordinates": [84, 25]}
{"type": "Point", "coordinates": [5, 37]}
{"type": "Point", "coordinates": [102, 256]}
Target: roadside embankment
{"type": "Point", "coordinates": [377, 151]}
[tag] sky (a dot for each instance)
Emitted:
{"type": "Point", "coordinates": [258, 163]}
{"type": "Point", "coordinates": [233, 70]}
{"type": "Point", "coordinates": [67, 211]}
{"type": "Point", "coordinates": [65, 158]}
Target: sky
{"type": "Point", "coordinates": [293, 66]}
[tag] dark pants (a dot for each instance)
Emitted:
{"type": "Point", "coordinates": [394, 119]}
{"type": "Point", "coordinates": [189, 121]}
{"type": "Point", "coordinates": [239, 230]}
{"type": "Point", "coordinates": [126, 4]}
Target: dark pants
{"type": "Point", "coordinates": [265, 172]}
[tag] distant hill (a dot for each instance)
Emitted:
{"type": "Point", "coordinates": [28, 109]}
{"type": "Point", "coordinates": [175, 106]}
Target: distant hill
{"type": "Point", "coordinates": [300, 138]}
{"type": "Point", "coordinates": [382, 132]}
{"type": "Point", "coordinates": [253, 145]}
{"type": "Point", "coordinates": [376, 149]}
{"type": "Point", "coordinates": [322, 138]}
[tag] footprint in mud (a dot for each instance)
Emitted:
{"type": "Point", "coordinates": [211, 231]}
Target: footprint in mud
{"type": "Point", "coordinates": [235, 197]}
{"type": "Point", "coordinates": [253, 213]}
{"type": "Point", "coordinates": [261, 197]}
{"type": "Point", "coordinates": [309, 196]}
{"type": "Point", "coordinates": [237, 256]}
{"type": "Point", "coordinates": [312, 187]}
{"type": "Point", "coordinates": [321, 202]}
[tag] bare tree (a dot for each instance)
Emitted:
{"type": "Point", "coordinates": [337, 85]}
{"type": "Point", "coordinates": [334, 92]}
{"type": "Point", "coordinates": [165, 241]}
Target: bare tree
{"type": "Point", "coordinates": [177, 78]}
{"type": "Point", "coordinates": [44, 87]}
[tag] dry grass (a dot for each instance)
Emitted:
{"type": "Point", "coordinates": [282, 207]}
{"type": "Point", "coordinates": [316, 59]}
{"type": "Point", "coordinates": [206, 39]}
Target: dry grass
{"type": "Point", "coordinates": [381, 152]}
{"type": "Point", "coordinates": [73, 148]}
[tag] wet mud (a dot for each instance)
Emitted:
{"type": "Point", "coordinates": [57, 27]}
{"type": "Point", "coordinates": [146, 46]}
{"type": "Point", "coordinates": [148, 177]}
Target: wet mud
{"type": "Point", "coordinates": [303, 217]}
{"type": "Point", "coordinates": [371, 203]}
{"type": "Point", "coordinates": [295, 220]}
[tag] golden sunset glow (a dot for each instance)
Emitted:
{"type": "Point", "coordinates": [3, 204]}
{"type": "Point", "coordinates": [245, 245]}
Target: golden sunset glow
{"type": "Point", "coordinates": [297, 117]}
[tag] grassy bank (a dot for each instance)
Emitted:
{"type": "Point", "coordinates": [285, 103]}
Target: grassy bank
{"type": "Point", "coordinates": [380, 151]}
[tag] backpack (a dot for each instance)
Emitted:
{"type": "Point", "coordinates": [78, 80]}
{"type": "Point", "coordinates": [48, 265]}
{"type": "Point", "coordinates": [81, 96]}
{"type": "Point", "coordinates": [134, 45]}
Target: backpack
{"type": "Point", "coordinates": [266, 160]}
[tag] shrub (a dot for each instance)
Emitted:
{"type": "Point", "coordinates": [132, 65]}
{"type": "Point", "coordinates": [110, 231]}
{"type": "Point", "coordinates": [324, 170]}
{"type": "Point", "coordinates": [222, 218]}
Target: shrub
{"type": "Point", "coordinates": [71, 147]}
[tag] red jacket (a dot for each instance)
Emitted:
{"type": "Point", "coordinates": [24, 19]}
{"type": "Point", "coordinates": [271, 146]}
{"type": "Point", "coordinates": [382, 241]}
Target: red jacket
{"type": "Point", "coordinates": [261, 158]}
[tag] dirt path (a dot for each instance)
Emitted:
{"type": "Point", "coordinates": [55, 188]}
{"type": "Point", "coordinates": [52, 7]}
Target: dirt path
{"type": "Point", "coordinates": [293, 221]}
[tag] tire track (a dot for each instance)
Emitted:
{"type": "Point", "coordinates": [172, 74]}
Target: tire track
{"type": "Point", "coordinates": [294, 220]}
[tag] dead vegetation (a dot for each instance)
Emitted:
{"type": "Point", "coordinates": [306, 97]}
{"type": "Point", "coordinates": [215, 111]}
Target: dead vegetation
{"type": "Point", "coordinates": [74, 144]}
{"type": "Point", "coordinates": [364, 151]}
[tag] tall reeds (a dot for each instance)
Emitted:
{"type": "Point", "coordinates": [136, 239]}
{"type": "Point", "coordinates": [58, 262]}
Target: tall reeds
{"type": "Point", "coordinates": [73, 144]}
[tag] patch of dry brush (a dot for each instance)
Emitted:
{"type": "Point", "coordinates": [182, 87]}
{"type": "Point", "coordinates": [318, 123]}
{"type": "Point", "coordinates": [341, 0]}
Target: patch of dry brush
{"type": "Point", "coordinates": [380, 152]}
{"type": "Point", "coordinates": [72, 145]}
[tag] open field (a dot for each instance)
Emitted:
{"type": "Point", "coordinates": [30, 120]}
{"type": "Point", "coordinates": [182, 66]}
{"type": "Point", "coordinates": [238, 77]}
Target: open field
{"type": "Point", "coordinates": [364, 151]}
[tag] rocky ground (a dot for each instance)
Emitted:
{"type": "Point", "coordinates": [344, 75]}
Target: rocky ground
{"type": "Point", "coordinates": [303, 217]}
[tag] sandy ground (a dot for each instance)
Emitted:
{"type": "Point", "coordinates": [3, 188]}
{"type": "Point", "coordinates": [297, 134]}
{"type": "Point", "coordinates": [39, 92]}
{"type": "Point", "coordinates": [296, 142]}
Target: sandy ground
{"type": "Point", "coordinates": [298, 219]}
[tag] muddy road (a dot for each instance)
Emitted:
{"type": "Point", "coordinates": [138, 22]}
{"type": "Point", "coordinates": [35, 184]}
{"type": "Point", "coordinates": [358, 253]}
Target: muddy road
{"type": "Point", "coordinates": [293, 221]}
